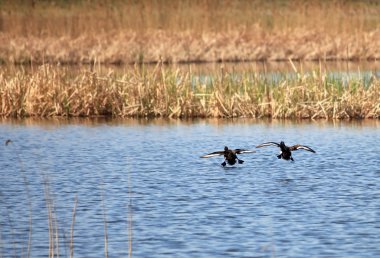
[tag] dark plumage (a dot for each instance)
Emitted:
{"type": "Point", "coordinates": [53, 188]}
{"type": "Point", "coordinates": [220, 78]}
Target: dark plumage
{"type": "Point", "coordinates": [229, 155]}
{"type": "Point", "coordinates": [8, 142]}
{"type": "Point", "coordinates": [286, 152]}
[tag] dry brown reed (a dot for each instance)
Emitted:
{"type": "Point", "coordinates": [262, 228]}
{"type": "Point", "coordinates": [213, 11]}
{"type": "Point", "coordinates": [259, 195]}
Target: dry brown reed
{"type": "Point", "coordinates": [130, 213]}
{"type": "Point", "coordinates": [130, 230]}
{"type": "Point", "coordinates": [27, 190]}
{"type": "Point", "coordinates": [72, 228]}
{"type": "Point", "coordinates": [164, 92]}
{"type": "Point", "coordinates": [105, 227]}
{"type": "Point", "coordinates": [187, 31]}
{"type": "Point", "coordinates": [54, 243]}
{"type": "Point", "coordinates": [52, 217]}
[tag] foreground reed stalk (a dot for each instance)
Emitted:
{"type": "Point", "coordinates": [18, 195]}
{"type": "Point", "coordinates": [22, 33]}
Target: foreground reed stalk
{"type": "Point", "coordinates": [130, 214]}
{"type": "Point", "coordinates": [162, 92]}
{"type": "Point", "coordinates": [105, 228]}
{"type": "Point", "coordinates": [26, 184]}
{"type": "Point", "coordinates": [72, 228]}
{"type": "Point", "coordinates": [52, 221]}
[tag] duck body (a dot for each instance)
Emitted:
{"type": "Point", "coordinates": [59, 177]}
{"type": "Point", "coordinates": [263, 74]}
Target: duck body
{"type": "Point", "coordinates": [286, 151]}
{"type": "Point", "coordinates": [230, 156]}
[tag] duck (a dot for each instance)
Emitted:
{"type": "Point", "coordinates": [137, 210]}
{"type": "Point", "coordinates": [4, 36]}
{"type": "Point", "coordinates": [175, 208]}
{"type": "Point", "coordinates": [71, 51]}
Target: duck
{"type": "Point", "coordinates": [286, 151]}
{"type": "Point", "coordinates": [230, 156]}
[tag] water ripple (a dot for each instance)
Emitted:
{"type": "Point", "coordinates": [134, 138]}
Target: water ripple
{"type": "Point", "coordinates": [321, 205]}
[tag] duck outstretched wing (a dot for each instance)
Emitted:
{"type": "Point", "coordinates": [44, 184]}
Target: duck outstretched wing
{"type": "Point", "coordinates": [301, 147]}
{"type": "Point", "coordinates": [213, 154]}
{"type": "Point", "coordinates": [268, 144]}
{"type": "Point", "coordinates": [241, 151]}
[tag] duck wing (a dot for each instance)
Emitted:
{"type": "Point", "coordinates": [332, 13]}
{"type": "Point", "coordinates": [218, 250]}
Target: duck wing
{"type": "Point", "coordinates": [268, 144]}
{"type": "Point", "coordinates": [213, 154]}
{"type": "Point", "coordinates": [301, 147]}
{"type": "Point", "coordinates": [241, 151]}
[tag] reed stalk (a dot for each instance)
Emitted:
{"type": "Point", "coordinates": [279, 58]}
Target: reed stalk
{"type": "Point", "coordinates": [12, 233]}
{"type": "Point", "coordinates": [72, 228]}
{"type": "Point", "coordinates": [130, 229]}
{"type": "Point", "coordinates": [105, 228]}
{"type": "Point", "coordinates": [52, 221]}
{"type": "Point", "coordinates": [26, 184]}
{"type": "Point", "coordinates": [130, 214]}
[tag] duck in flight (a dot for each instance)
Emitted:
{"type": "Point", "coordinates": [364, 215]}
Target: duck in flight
{"type": "Point", "coordinates": [286, 151]}
{"type": "Point", "coordinates": [229, 155]}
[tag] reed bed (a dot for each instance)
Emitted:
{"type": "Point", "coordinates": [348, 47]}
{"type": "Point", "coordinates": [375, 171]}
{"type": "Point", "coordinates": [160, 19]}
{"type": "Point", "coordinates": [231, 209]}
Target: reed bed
{"type": "Point", "coordinates": [124, 47]}
{"type": "Point", "coordinates": [174, 93]}
{"type": "Point", "coordinates": [120, 32]}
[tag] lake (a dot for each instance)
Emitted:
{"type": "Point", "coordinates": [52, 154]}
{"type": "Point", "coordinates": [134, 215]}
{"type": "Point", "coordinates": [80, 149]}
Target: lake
{"type": "Point", "coordinates": [321, 205]}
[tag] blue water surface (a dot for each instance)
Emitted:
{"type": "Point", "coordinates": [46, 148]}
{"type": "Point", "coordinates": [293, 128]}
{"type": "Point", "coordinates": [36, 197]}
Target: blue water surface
{"type": "Point", "coordinates": [150, 172]}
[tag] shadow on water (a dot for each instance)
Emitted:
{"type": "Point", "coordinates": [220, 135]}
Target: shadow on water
{"type": "Point", "coordinates": [164, 122]}
{"type": "Point", "coordinates": [231, 169]}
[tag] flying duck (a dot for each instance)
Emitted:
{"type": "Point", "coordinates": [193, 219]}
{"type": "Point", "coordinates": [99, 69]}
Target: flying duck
{"type": "Point", "coordinates": [286, 151]}
{"type": "Point", "coordinates": [229, 155]}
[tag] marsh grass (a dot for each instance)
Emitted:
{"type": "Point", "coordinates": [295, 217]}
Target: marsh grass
{"type": "Point", "coordinates": [174, 93]}
{"type": "Point", "coordinates": [187, 31]}
{"type": "Point", "coordinates": [73, 18]}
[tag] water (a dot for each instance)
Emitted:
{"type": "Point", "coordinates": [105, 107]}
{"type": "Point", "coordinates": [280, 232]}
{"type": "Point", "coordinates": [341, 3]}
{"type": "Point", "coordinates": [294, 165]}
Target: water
{"type": "Point", "coordinates": [322, 205]}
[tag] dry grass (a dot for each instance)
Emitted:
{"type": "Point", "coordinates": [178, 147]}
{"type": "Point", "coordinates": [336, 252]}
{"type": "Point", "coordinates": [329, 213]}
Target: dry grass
{"type": "Point", "coordinates": [72, 227]}
{"type": "Point", "coordinates": [130, 214]}
{"type": "Point", "coordinates": [187, 31]}
{"type": "Point", "coordinates": [163, 92]}
{"type": "Point", "coordinates": [105, 228]}
{"type": "Point", "coordinates": [27, 190]}
{"type": "Point", "coordinates": [54, 243]}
